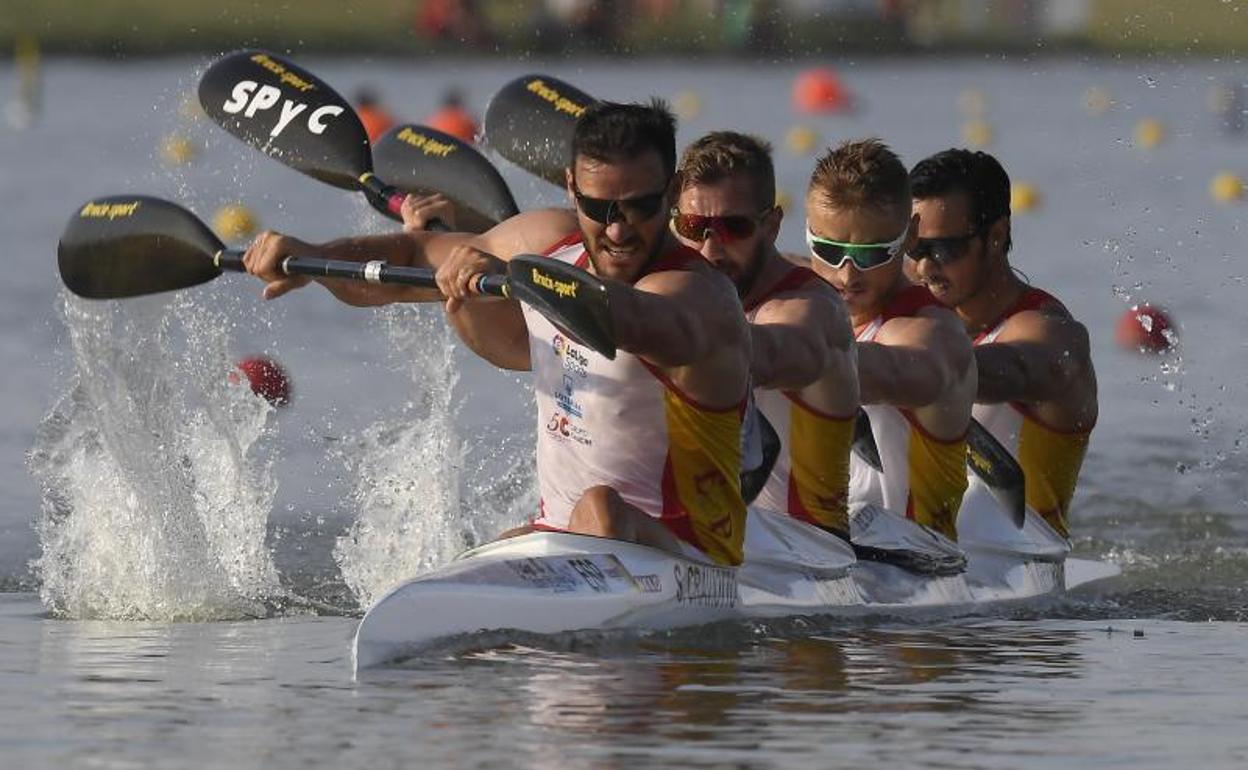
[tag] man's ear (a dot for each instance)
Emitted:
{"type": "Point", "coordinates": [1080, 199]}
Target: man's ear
{"type": "Point", "coordinates": [998, 233]}
{"type": "Point", "coordinates": [569, 180]}
{"type": "Point", "coordinates": [771, 223]}
{"type": "Point", "coordinates": [912, 234]}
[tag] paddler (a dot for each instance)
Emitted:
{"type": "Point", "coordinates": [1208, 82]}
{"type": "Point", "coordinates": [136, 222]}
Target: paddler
{"type": "Point", "coordinates": [916, 369]}
{"type": "Point", "coordinates": [645, 447]}
{"type": "Point", "coordinates": [1037, 388]}
{"type": "Point", "coordinates": [803, 362]}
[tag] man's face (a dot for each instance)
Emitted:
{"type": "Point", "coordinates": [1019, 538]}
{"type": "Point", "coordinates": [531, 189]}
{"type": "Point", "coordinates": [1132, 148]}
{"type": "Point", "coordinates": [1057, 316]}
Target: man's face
{"type": "Point", "coordinates": [621, 248]}
{"type": "Point", "coordinates": [946, 220]}
{"type": "Point", "coordinates": [864, 291]}
{"type": "Point", "coordinates": [719, 241]}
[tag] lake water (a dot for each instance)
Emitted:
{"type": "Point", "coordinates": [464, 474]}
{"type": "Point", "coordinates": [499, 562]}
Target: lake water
{"type": "Point", "coordinates": [206, 556]}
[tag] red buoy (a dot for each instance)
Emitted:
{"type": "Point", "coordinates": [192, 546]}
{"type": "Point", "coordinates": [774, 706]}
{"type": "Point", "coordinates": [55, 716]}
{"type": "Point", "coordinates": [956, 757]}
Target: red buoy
{"type": "Point", "coordinates": [1146, 329]}
{"type": "Point", "coordinates": [267, 379]}
{"type": "Point", "coordinates": [819, 91]}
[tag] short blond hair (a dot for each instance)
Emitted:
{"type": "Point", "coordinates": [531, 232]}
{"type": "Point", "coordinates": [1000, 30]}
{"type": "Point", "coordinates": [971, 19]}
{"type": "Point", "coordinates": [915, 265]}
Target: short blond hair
{"type": "Point", "coordinates": [721, 154]}
{"type": "Point", "coordinates": [862, 174]}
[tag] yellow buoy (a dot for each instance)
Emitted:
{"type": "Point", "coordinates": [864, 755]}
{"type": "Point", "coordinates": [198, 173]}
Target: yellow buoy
{"type": "Point", "coordinates": [973, 103]}
{"type": "Point", "coordinates": [177, 150]}
{"type": "Point", "coordinates": [1149, 133]}
{"type": "Point", "coordinates": [1226, 187]}
{"type": "Point", "coordinates": [977, 133]}
{"type": "Point", "coordinates": [1023, 197]}
{"type": "Point", "coordinates": [234, 222]}
{"type": "Point", "coordinates": [801, 139]}
{"type": "Point", "coordinates": [1097, 101]}
{"type": "Point", "coordinates": [687, 104]}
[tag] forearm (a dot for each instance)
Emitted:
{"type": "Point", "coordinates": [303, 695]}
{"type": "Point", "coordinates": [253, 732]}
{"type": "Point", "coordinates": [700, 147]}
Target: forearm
{"type": "Point", "coordinates": [495, 330]}
{"type": "Point", "coordinates": [400, 249]}
{"type": "Point", "coordinates": [902, 376]}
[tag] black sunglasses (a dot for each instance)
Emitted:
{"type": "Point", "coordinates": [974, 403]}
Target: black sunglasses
{"type": "Point", "coordinates": [943, 251]}
{"type": "Point", "coordinates": [604, 211]}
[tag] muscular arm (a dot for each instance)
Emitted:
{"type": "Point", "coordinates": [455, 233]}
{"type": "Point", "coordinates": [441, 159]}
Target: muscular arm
{"type": "Point", "coordinates": [405, 249]}
{"type": "Point", "coordinates": [1039, 358]}
{"type": "Point", "coordinates": [916, 361]}
{"type": "Point", "coordinates": [673, 318]}
{"type": "Point", "coordinates": [690, 324]}
{"type": "Point", "coordinates": [799, 338]}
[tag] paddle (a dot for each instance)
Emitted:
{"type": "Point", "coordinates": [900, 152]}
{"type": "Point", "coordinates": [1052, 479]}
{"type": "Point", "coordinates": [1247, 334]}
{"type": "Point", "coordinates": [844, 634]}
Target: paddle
{"type": "Point", "coordinates": [292, 116]}
{"type": "Point", "coordinates": [422, 160]}
{"type": "Point", "coordinates": [530, 122]}
{"type": "Point", "coordinates": [985, 456]}
{"type": "Point", "coordinates": [132, 245]}
{"type": "Point", "coordinates": [999, 471]}
{"type": "Point", "coordinates": [864, 444]}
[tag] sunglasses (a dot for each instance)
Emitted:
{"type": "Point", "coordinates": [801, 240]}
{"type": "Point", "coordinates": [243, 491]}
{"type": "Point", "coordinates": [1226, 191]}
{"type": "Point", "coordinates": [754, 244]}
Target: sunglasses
{"type": "Point", "coordinates": [865, 256]}
{"type": "Point", "coordinates": [728, 228]}
{"type": "Point", "coordinates": [634, 211]}
{"type": "Point", "coordinates": [942, 251]}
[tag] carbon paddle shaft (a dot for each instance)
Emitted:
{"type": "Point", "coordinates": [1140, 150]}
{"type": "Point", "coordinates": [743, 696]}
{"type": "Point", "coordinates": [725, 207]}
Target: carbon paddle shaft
{"type": "Point", "coordinates": [369, 272]}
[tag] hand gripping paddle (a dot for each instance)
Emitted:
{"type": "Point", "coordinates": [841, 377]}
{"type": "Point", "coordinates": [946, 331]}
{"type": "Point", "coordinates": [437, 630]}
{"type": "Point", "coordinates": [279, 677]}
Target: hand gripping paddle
{"type": "Point", "coordinates": [421, 160]}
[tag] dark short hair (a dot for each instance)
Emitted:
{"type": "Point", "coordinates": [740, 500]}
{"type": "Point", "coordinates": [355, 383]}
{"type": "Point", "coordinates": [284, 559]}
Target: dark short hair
{"type": "Point", "coordinates": [975, 174]}
{"type": "Point", "coordinates": [609, 132]}
{"type": "Point", "coordinates": [721, 154]}
{"type": "Point", "coordinates": [859, 174]}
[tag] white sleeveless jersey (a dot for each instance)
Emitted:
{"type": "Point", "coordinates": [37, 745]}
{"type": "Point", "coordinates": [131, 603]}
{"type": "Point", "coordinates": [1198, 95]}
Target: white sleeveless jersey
{"type": "Point", "coordinates": [1050, 458]}
{"type": "Point", "coordinates": [620, 423]}
{"type": "Point", "coordinates": [924, 477]}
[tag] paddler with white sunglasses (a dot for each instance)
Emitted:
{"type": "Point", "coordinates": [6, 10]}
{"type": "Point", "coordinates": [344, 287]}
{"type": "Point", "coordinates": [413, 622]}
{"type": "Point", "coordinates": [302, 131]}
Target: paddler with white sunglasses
{"type": "Point", "coordinates": [916, 366]}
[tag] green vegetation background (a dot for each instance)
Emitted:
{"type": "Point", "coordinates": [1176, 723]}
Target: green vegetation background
{"type": "Point", "coordinates": [136, 27]}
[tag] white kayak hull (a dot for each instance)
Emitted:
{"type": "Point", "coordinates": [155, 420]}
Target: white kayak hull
{"type": "Point", "coordinates": [547, 583]}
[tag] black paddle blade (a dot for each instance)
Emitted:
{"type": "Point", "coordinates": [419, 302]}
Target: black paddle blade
{"type": "Point", "coordinates": [572, 299]}
{"type": "Point", "coordinates": [422, 160]}
{"type": "Point", "coordinates": [287, 113]}
{"type": "Point", "coordinates": [129, 245]}
{"type": "Point", "coordinates": [864, 444]}
{"type": "Point", "coordinates": [530, 122]}
{"type": "Point", "coordinates": [999, 470]}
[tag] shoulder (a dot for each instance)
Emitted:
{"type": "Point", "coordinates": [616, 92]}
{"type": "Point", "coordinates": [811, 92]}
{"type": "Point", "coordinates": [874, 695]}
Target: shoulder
{"type": "Point", "coordinates": [1051, 324]}
{"type": "Point", "coordinates": [530, 232]}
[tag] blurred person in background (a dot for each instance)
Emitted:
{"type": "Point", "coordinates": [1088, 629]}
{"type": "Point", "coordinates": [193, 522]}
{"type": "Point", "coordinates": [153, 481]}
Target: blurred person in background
{"type": "Point", "coordinates": [377, 119]}
{"type": "Point", "coordinates": [453, 118]}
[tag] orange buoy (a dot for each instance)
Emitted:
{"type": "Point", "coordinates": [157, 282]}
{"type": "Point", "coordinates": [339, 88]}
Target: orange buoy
{"type": "Point", "coordinates": [1146, 329]}
{"type": "Point", "coordinates": [820, 91]}
{"type": "Point", "coordinates": [267, 379]}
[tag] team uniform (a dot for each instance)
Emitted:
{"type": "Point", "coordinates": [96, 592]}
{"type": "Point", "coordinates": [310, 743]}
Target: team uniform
{"type": "Point", "coordinates": [624, 424]}
{"type": "Point", "coordinates": [1050, 458]}
{"type": "Point", "coordinates": [810, 479]}
{"type": "Point", "coordinates": [924, 477]}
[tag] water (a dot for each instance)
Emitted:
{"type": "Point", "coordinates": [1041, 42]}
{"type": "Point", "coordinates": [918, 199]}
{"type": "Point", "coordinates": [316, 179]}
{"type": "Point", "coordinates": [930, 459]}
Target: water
{"type": "Point", "coordinates": [212, 552]}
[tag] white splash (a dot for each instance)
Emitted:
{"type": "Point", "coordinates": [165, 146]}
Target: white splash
{"type": "Point", "coordinates": [414, 505]}
{"type": "Point", "coordinates": [154, 506]}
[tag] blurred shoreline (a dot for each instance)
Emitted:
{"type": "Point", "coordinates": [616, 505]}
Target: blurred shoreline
{"type": "Point", "coordinates": [766, 30]}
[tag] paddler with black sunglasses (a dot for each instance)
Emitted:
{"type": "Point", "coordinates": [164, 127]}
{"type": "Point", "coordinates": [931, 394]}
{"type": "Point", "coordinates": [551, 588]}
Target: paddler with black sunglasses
{"type": "Point", "coordinates": [803, 363]}
{"type": "Point", "coordinates": [645, 447]}
{"type": "Point", "coordinates": [1037, 388]}
{"type": "Point", "coordinates": [916, 369]}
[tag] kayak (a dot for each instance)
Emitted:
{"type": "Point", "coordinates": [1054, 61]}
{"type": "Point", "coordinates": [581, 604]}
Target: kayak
{"type": "Point", "coordinates": [555, 582]}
